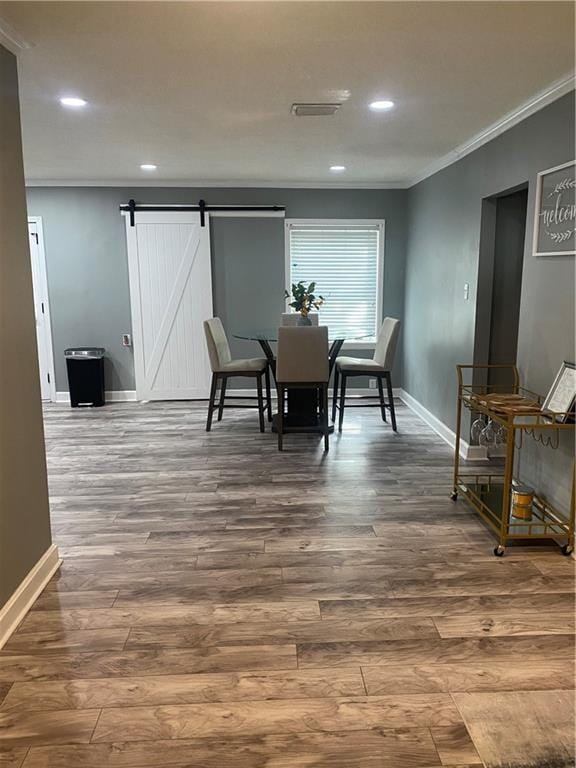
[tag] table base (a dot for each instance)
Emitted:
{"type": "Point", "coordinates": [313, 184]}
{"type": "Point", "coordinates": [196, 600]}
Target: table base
{"type": "Point", "coordinates": [302, 412]}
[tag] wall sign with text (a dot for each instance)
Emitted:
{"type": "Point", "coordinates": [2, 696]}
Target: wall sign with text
{"type": "Point", "coordinates": [555, 215]}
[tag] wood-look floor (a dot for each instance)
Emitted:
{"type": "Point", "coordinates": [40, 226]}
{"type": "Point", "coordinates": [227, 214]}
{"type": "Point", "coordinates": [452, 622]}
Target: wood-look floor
{"type": "Point", "coordinates": [223, 605]}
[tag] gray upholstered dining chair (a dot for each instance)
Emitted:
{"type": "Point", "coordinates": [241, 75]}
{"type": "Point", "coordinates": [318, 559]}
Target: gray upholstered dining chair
{"type": "Point", "coordinates": [224, 367]}
{"type": "Point", "coordinates": [379, 368]}
{"type": "Point", "coordinates": [291, 318]}
{"type": "Point", "coordinates": [302, 362]}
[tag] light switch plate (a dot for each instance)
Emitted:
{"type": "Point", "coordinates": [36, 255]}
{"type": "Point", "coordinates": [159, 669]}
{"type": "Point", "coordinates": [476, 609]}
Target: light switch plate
{"type": "Point", "coordinates": [126, 340]}
{"type": "Point", "coordinates": [466, 291]}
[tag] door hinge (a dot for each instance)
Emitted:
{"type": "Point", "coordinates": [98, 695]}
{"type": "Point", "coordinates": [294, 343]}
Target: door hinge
{"type": "Point", "coordinates": [48, 377]}
{"type": "Point", "coordinates": [36, 236]}
{"type": "Point", "coordinates": [42, 305]}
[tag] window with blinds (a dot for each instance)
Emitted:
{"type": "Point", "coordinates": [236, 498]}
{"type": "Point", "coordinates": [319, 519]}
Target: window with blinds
{"type": "Point", "coordinates": [344, 261]}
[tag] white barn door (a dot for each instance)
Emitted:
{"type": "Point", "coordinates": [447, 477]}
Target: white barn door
{"type": "Point", "coordinates": [171, 296]}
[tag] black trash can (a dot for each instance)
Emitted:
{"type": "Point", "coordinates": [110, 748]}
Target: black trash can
{"type": "Point", "coordinates": [85, 367]}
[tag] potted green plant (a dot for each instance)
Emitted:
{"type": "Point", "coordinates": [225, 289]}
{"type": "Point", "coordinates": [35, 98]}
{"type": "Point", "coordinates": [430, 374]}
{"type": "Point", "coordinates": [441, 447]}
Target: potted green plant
{"type": "Point", "coordinates": [304, 300]}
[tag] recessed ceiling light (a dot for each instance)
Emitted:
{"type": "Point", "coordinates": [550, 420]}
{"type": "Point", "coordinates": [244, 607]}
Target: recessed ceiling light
{"type": "Point", "coordinates": [379, 106]}
{"type": "Point", "coordinates": [148, 167]}
{"type": "Point", "coordinates": [337, 168]}
{"type": "Point", "coordinates": [73, 101]}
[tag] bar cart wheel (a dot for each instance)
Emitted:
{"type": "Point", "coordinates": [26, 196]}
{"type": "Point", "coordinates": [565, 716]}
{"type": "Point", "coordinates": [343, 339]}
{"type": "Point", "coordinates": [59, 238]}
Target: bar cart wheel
{"type": "Point", "coordinates": [567, 550]}
{"type": "Point", "coordinates": [499, 550]}
{"type": "Point", "coordinates": [454, 495]}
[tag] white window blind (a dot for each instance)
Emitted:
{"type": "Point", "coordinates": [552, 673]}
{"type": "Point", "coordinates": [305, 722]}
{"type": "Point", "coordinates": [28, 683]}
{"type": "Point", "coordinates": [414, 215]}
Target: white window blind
{"type": "Point", "coordinates": [343, 261]}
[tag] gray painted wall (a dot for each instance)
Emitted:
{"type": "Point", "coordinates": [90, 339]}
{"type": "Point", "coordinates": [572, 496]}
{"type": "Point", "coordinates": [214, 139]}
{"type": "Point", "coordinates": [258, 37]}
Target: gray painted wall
{"type": "Point", "coordinates": [442, 255]}
{"type": "Point", "coordinates": [88, 274]}
{"type": "Point", "coordinates": [24, 514]}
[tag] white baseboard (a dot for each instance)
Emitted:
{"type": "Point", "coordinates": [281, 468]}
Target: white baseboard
{"type": "Point", "coordinates": [121, 396]}
{"type": "Point", "coordinates": [112, 396]}
{"type": "Point", "coordinates": [23, 598]}
{"type": "Point", "coordinates": [467, 452]}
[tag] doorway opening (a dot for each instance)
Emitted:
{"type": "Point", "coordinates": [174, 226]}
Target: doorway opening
{"type": "Point", "coordinates": [41, 309]}
{"type": "Point", "coordinates": [502, 237]}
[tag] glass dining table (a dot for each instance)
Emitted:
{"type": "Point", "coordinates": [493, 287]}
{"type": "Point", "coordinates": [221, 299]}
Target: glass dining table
{"type": "Point", "coordinates": [302, 404]}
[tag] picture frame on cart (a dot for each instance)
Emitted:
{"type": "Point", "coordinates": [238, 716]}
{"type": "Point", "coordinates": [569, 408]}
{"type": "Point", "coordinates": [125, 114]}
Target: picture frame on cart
{"type": "Point", "coordinates": [562, 395]}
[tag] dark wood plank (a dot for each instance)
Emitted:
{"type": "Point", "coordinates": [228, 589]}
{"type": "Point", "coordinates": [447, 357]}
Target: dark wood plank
{"type": "Point", "coordinates": [362, 543]}
{"type": "Point", "coordinates": [52, 600]}
{"type": "Point", "coordinates": [408, 558]}
{"type": "Point", "coordinates": [278, 632]}
{"type": "Point", "coordinates": [408, 570]}
{"type": "Point", "coordinates": [434, 651]}
{"type": "Point", "coordinates": [73, 640]}
{"type": "Point", "coordinates": [489, 626]}
{"type": "Point", "coordinates": [136, 563]}
{"type": "Point", "coordinates": [183, 689]}
{"type": "Point", "coordinates": [376, 748]}
{"type": "Point", "coordinates": [161, 615]}
{"type": "Point", "coordinates": [193, 545]}
{"type": "Point", "coordinates": [290, 716]}
{"type": "Point", "coordinates": [333, 531]}
{"type": "Point", "coordinates": [265, 592]}
{"type": "Point", "coordinates": [155, 579]}
{"type": "Point", "coordinates": [28, 728]}
{"type": "Point", "coordinates": [458, 605]}
{"type": "Point", "coordinates": [79, 539]}
{"type": "Point", "coordinates": [487, 675]}
{"type": "Point", "coordinates": [54, 666]}
{"type": "Point", "coordinates": [479, 586]}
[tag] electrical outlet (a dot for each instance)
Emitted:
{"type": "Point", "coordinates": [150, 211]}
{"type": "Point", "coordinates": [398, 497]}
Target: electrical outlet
{"type": "Point", "coordinates": [372, 383]}
{"type": "Point", "coordinates": [126, 340]}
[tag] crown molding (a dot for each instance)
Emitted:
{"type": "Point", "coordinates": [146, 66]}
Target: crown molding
{"type": "Point", "coordinates": [510, 119]}
{"type": "Point", "coordinates": [12, 39]}
{"type": "Point", "coordinates": [201, 184]}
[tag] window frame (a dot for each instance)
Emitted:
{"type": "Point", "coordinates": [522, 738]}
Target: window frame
{"type": "Point", "coordinates": [380, 224]}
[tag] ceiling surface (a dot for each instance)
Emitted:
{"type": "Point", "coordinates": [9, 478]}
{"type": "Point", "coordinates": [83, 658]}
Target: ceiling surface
{"type": "Point", "coordinates": [204, 89]}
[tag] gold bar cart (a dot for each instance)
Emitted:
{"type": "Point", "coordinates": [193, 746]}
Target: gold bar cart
{"type": "Point", "coordinates": [490, 493]}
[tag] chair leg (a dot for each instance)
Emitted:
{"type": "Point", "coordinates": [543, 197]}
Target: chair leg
{"type": "Point", "coordinates": [391, 401]}
{"type": "Point", "coordinates": [342, 401]}
{"type": "Point", "coordinates": [268, 393]}
{"type": "Point", "coordinates": [280, 420]}
{"type": "Point", "coordinates": [260, 402]}
{"type": "Point", "coordinates": [381, 393]}
{"type": "Point", "coordinates": [222, 397]}
{"type": "Point", "coordinates": [335, 393]}
{"type": "Point", "coordinates": [211, 401]}
{"type": "Point", "coordinates": [325, 416]}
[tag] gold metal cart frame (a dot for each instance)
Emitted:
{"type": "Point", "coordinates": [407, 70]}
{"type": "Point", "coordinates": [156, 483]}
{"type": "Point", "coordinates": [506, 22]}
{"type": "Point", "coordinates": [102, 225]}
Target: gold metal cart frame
{"type": "Point", "coordinates": [491, 494]}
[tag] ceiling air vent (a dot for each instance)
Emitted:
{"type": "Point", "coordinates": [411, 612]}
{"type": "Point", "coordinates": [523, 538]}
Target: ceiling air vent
{"type": "Point", "coordinates": [314, 110]}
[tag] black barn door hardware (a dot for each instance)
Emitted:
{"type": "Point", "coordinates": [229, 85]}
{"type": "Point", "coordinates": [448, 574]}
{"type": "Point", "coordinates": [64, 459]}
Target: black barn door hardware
{"type": "Point", "coordinates": [132, 206]}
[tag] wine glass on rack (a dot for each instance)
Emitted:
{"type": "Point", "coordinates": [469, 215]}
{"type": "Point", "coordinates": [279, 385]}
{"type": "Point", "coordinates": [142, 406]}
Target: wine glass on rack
{"type": "Point", "coordinates": [476, 428]}
{"type": "Point", "coordinates": [488, 435]}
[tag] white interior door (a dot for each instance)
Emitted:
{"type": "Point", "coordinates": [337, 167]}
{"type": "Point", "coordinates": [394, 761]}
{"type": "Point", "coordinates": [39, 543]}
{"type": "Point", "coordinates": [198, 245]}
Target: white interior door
{"type": "Point", "coordinates": [171, 296]}
{"type": "Point", "coordinates": [41, 310]}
